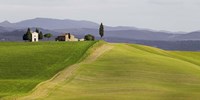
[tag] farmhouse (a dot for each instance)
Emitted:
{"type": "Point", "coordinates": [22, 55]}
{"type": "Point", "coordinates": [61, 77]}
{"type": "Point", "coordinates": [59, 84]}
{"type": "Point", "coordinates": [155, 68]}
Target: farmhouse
{"type": "Point", "coordinates": [66, 37]}
{"type": "Point", "coordinates": [34, 37]}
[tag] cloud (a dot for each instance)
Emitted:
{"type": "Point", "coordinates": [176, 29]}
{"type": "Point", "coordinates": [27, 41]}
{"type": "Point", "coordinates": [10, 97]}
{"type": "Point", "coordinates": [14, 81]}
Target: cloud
{"type": "Point", "coordinates": [166, 2]}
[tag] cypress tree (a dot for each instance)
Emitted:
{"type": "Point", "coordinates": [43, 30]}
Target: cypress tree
{"type": "Point", "coordinates": [29, 34]}
{"type": "Point", "coordinates": [29, 30]}
{"type": "Point", "coordinates": [25, 38]}
{"type": "Point", "coordinates": [40, 35]}
{"type": "Point", "coordinates": [101, 30]}
{"type": "Point", "coordinates": [37, 30]}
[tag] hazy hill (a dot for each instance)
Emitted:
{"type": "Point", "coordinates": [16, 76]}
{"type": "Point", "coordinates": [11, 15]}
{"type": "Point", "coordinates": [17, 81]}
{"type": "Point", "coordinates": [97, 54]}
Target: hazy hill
{"type": "Point", "coordinates": [129, 34]}
{"type": "Point", "coordinates": [51, 24]}
{"type": "Point", "coordinates": [48, 23]}
{"type": "Point", "coordinates": [190, 36]}
{"type": "Point", "coordinates": [6, 29]}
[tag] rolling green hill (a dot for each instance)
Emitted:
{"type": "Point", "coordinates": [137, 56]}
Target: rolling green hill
{"type": "Point", "coordinates": [24, 65]}
{"type": "Point", "coordinates": [134, 72]}
{"type": "Point", "coordinates": [110, 72]}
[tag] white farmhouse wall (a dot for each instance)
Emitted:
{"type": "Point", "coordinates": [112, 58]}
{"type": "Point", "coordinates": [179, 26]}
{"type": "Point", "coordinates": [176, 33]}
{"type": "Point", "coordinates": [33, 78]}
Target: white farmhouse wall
{"type": "Point", "coordinates": [34, 37]}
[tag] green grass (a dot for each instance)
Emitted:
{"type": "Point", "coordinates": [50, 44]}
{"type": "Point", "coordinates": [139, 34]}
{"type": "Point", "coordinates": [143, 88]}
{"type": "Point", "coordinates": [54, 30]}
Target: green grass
{"type": "Point", "coordinates": [24, 65]}
{"type": "Point", "coordinates": [126, 72]}
{"type": "Point", "coordinates": [135, 72]}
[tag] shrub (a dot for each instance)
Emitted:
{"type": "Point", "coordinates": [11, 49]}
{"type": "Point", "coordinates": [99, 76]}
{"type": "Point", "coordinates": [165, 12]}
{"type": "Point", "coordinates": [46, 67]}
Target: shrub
{"type": "Point", "coordinates": [89, 37]}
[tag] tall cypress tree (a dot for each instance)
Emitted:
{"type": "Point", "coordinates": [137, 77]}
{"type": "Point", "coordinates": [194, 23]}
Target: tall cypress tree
{"type": "Point", "coordinates": [37, 30]}
{"type": "Point", "coordinates": [29, 34]}
{"type": "Point", "coordinates": [28, 30]}
{"type": "Point", "coordinates": [25, 38]}
{"type": "Point", "coordinates": [101, 30]}
{"type": "Point", "coordinates": [40, 35]}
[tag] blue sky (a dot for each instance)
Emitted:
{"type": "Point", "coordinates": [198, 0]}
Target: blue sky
{"type": "Point", "coordinates": [170, 15]}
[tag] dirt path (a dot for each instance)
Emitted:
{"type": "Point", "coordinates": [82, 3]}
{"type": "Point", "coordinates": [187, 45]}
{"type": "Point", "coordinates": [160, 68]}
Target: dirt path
{"type": "Point", "coordinates": [44, 88]}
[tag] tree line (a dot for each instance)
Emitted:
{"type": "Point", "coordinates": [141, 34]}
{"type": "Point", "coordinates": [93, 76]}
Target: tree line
{"type": "Point", "coordinates": [28, 35]}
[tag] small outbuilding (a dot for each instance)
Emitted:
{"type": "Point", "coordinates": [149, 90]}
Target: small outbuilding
{"type": "Point", "coordinates": [35, 37]}
{"type": "Point", "coordinates": [66, 37]}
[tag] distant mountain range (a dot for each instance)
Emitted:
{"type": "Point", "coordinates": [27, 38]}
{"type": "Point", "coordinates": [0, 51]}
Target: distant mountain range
{"type": "Point", "coordinates": [47, 23]}
{"type": "Point", "coordinates": [14, 31]}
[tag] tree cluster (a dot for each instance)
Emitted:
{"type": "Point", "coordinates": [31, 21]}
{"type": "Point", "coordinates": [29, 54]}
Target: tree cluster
{"type": "Point", "coordinates": [28, 35]}
{"type": "Point", "coordinates": [89, 37]}
{"type": "Point", "coordinates": [48, 35]}
{"type": "Point", "coordinates": [40, 35]}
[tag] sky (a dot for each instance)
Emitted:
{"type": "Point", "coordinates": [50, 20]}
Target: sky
{"type": "Point", "coordinates": [168, 15]}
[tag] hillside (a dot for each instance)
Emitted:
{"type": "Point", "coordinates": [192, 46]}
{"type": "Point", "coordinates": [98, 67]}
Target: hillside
{"type": "Point", "coordinates": [127, 72]}
{"type": "Point", "coordinates": [134, 72]}
{"type": "Point", "coordinates": [24, 65]}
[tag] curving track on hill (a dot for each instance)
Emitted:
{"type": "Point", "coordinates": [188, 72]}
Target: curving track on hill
{"type": "Point", "coordinates": [44, 88]}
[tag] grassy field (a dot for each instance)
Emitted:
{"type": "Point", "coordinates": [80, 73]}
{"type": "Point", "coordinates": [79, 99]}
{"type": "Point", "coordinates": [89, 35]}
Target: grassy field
{"type": "Point", "coordinates": [111, 72]}
{"type": "Point", "coordinates": [134, 72]}
{"type": "Point", "coordinates": [24, 65]}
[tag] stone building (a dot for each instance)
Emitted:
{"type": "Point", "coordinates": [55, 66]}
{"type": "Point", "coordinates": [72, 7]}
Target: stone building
{"type": "Point", "coordinates": [66, 37]}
